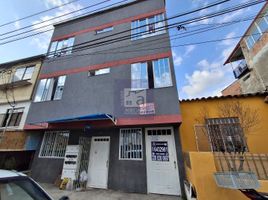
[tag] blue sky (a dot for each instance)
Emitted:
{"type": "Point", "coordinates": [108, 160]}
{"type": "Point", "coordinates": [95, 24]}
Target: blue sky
{"type": "Point", "coordinates": [199, 68]}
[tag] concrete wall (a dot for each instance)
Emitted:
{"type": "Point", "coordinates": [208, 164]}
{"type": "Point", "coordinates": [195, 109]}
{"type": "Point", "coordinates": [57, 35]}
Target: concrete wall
{"type": "Point", "coordinates": [124, 175]}
{"type": "Point", "coordinates": [257, 59]}
{"type": "Point", "coordinates": [85, 95]}
{"type": "Point", "coordinates": [192, 110]}
{"type": "Point", "coordinates": [200, 174]}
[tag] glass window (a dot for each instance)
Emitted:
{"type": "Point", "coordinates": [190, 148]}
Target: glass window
{"type": "Point", "coordinates": [19, 74]}
{"type": "Point", "coordinates": [59, 87]}
{"type": "Point", "coordinates": [13, 118]}
{"type": "Point", "coordinates": [162, 74]}
{"type": "Point", "coordinates": [250, 42]}
{"type": "Point", "coordinates": [139, 76]}
{"type": "Point", "coordinates": [130, 144]}
{"type": "Point", "coordinates": [54, 144]}
{"type": "Point", "coordinates": [99, 72]}
{"type": "Point", "coordinates": [48, 88]}
{"type": "Point", "coordinates": [28, 73]}
{"type": "Point", "coordinates": [104, 30]}
{"type": "Point", "coordinates": [23, 73]}
{"type": "Point", "coordinates": [256, 34]}
{"type": "Point", "coordinates": [147, 27]}
{"type": "Point", "coordinates": [263, 25]}
{"type": "Point", "coordinates": [62, 47]}
{"type": "Point", "coordinates": [53, 49]}
{"type": "Point", "coordinates": [20, 188]}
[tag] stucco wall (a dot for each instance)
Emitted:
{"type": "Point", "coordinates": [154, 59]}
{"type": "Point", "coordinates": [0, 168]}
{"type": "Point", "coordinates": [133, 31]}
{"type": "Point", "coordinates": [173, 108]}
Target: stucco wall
{"type": "Point", "coordinates": [22, 93]}
{"type": "Point", "coordinates": [256, 139]}
{"type": "Point", "coordinates": [84, 95]}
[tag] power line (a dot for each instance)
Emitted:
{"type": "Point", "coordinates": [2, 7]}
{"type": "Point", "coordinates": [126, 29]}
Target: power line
{"type": "Point", "coordinates": [215, 14]}
{"type": "Point", "coordinates": [75, 11]}
{"type": "Point", "coordinates": [14, 35]}
{"type": "Point", "coordinates": [198, 31]}
{"type": "Point", "coordinates": [79, 47]}
{"type": "Point", "coordinates": [38, 13]}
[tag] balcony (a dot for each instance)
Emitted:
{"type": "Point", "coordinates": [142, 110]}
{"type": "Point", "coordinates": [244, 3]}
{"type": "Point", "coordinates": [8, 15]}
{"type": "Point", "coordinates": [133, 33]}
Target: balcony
{"type": "Point", "coordinates": [241, 69]}
{"type": "Point", "coordinates": [14, 84]}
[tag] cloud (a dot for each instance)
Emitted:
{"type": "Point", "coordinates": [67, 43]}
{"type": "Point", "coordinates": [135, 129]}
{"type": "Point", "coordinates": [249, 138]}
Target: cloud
{"type": "Point", "coordinates": [230, 16]}
{"type": "Point", "coordinates": [177, 59]}
{"type": "Point", "coordinates": [206, 65]}
{"type": "Point", "coordinates": [42, 41]}
{"type": "Point", "coordinates": [189, 49]}
{"type": "Point", "coordinates": [17, 24]}
{"type": "Point", "coordinates": [202, 80]}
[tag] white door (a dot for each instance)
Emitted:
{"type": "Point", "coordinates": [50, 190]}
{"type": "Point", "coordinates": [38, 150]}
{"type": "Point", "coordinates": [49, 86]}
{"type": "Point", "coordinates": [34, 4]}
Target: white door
{"type": "Point", "coordinates": [162, 167]}
{"type": "Point", "coordinates": [98, 162]}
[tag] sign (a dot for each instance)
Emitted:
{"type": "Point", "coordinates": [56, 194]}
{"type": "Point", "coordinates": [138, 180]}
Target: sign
{"type": "Point", "coordinates": [147, 109]}
{"type": "Point", "coordinates": [160, 151]}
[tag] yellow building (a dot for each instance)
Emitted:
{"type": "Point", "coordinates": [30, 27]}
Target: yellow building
{"type": "Point", "coordinates": [202, 119]}
{"type": "Point", "coordinates": [17, 82]}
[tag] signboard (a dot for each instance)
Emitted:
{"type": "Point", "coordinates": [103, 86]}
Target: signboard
{"type": "Point", "coordinates": [160, 151]}
{"type": "Point", "coordinates": [147, 109]}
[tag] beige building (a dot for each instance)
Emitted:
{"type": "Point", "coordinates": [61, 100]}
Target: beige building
{"type": "Point", "coordinates": [17, 82]}
{"type": "Point", "coordinates": [249, 59]}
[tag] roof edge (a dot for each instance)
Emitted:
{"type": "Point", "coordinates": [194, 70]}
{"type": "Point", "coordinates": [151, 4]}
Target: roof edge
{"type": "Point", "coordinates": [238, 44]}
{"type": "Point", "coordinates": [265, 94]}
{"type": "Point", "coordinates": [36, 57]}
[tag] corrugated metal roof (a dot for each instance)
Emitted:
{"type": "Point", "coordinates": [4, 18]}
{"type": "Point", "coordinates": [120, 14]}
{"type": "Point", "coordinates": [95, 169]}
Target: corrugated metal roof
{"type": "Point", "coordinates": [264, 94]}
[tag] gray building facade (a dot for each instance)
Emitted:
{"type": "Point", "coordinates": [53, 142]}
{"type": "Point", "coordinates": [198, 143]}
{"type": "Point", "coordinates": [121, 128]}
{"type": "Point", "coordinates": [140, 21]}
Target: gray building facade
{"type": "Point", "coordinates": [108, 84]}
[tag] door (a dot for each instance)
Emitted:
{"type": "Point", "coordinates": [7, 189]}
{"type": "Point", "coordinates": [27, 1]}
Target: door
{"type": "Point", "coordinates": [98, 162]}
{"type": "Point", "coordinates": [162, 167]}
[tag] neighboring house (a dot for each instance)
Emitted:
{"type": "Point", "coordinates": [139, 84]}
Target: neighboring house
{"type": "Point", "coordinates": [118, 101]}
{"type": "Point", "coordinates": [222, 148]}
{"type": "Point", "coordinates": [17, 83]}
{"type": "Point", "coordinates": [252, 54]}
{"type": "Point", "coordinates": [232, 89]}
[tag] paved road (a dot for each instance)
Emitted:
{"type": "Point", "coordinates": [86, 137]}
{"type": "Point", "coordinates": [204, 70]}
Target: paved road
{"type": "Point", "coordinates": [98, 194]}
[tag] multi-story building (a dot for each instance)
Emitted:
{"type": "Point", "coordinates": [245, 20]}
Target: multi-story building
{"type": "Point", "coordinates": [252, 54]}
{"type": "Point", "coordinates": [109, 86]}
{"type": "Point", "coordinates": [17, 83]}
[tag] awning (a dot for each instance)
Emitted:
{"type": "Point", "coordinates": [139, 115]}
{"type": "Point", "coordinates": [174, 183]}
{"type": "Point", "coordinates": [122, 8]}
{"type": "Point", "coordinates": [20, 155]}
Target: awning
{"type": "Point", "coordinates": [99, 116]}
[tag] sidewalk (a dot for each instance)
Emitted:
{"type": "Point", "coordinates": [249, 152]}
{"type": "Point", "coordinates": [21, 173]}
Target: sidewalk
{"type": "Point", "coordinates": [99, 194]}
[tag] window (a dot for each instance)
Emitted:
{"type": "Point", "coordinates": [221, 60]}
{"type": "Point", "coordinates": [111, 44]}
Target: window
{"type": "Point", "coordinates": [259, 28]}
{"type": "Point", "coordinates": [12, 118]}
{"type": "Point", "coordinates": [130, 144]}
{"type": "Point", "coordinates": [148, 27]}
{"type": "Point", "coordinates": [226, 134]}
{"type": "Point", "coordinates": [50, 89]}
{"type": "Point", "coordinates": [139, 76]}
{"type": "Point", "coordinates": [99, 72]}
{"type": "Point", "coordinates": [162, 75]}
{"type": "Point", "coordinates": [151, 74]}
{"type": "Point", "coordinates": [62, 47]}
{"type": "Point", "coordinates": [23, 73]}
{"type": "Point", "coordinates": [54, 144]}
{"type": "Point", "coordinates": [104, 30]}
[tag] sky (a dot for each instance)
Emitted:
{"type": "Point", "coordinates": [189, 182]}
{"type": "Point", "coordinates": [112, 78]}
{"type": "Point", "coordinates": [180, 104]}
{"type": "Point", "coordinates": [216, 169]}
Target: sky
{"type": "Point", "coordinates": [199, 67]}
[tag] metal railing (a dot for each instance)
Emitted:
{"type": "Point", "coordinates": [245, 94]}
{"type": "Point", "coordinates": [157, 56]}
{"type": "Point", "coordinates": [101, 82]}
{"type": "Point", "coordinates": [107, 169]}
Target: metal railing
{"type": "Point", "coordinates": [246, 162]}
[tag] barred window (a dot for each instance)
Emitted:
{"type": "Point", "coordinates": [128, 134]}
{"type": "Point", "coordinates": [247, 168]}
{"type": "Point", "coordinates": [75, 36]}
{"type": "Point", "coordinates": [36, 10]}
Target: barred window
{"type": "Point", "coordinates": [54, 144]}
{"type": "Point", "coordinates": [130, 144]}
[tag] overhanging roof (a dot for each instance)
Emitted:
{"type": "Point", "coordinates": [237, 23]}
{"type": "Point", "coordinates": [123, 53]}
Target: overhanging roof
{"type": "Point", "coordinates": [237, 52]}
{"type": "Point", "coordinates": [91, 117]}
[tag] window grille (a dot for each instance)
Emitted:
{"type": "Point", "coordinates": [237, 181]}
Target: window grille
{"type": "Point", "coordinates": [226, 134]}
{"type": "Point", "coordinates": [54, 144]}
{"type": "Point", "coordinates": [130, 144]}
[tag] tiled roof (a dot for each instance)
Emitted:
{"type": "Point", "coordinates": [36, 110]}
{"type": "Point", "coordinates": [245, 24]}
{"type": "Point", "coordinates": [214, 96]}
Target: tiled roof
{"type": "Point", "coordinates": [265, 94]}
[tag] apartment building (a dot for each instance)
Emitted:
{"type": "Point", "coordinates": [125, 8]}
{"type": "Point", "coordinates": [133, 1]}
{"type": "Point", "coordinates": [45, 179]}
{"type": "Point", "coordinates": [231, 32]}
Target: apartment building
{"type": "Point", "coordinates": [108, 85]}
{"type": "Point", "coordinates": [249, 58]}
{"type": "Point", "coordinates": [17, 83]}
